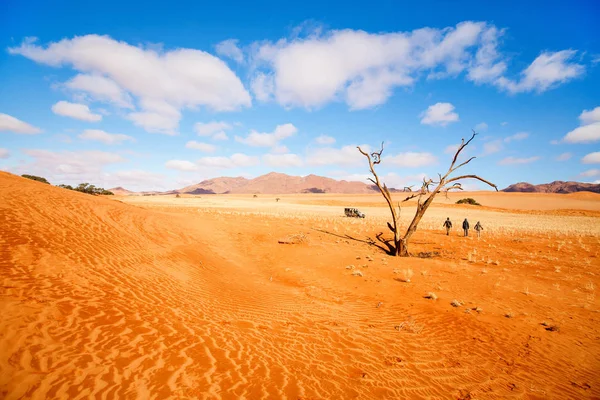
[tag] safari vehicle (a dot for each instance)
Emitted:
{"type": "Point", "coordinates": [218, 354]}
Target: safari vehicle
{"type": "Point", "coordinates": [353, 212]}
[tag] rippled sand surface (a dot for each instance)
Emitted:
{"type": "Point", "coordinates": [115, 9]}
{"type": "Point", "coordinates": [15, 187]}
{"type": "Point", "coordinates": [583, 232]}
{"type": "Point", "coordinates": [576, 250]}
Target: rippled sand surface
{"type": "Point", "coordinates": [100, 299]}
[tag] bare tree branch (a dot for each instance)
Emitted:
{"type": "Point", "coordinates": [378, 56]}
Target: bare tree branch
{"type": "Point", "coordinates": [472, 177]}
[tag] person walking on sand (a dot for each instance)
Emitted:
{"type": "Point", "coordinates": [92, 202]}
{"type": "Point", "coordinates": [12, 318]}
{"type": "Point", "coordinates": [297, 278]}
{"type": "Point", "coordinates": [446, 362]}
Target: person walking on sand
{"type": "Point", "coordinates": [448, 225]}
{"type": "Point", "coordinates": [466, 227]}
{"type": "Point", "coordinates": [478, 228]}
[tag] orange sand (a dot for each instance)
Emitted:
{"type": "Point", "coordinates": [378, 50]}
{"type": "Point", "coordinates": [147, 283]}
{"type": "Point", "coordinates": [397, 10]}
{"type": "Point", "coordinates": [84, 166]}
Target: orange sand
{"type": "Point", "coordinates": [195, 298]}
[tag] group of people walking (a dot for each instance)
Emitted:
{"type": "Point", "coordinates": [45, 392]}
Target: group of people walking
{"type": "Point", "coordinates": [465, 225]}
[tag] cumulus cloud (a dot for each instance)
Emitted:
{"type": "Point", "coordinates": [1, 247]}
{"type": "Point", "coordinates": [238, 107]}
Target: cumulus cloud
{"type": "Point", "coordinates": [79, 166]}
{"type": "Point", "coordinates": [481, 127]}
{"type": "Point", "coordinates": [439, 114]}
{"type": "Point", "coordinates": [411, 160]}
{"type": "Point", "coordinates": [215, 129]}
{"type": "Point", "coordinates": [272, 139]}
{"type": "Point", "coordinates": [229, 48]}
{"type": "Point", "coordinates": [181, 165]}
{"type": "Point", "coordinates": [164, 82]}
{"type": "Point", "coordinates": [74, 110]}
{"type": "Point", "coordinates": [591, 172]}
{"type": "Point", "coordinates": [325, 140]}
{"type": "Point", "coordinates": [105, 137]}
{"type": "Point", "coordinates": [492, 147]}
{"type": "Point", "coordinates": [346, 155]}
{"type": "Point", "coordinates": [547, 71]}
{"type": "Point", "coordinates": [515, 160]}
{"type": "Point", "coordinates": [97, 87]}
{"type": "Point", "coordinates": [590, 116]}
{"type": "Point", "coordinates": [205, 147]}
{"type": "Point", "coordinates": [4, 153]}
{"type": "Point", "coordinates": [282, 160]}
{"type": "Point", "coordinates": [564, 157]}
{"type": "Point", "coordinates": [361, 68]}
{"type": "Point", "coordinates": [14, 125]}
{"type": "Point", "coordinates": [592, 158]}
{"type": "Point", "coordinates": [233, 161]}
{"type": "Point", "coordinates": [589, 131]}
{"type": "Point", "coordinates": [391, 179]}
{"type": "Point", "coordinates": [516, 137]}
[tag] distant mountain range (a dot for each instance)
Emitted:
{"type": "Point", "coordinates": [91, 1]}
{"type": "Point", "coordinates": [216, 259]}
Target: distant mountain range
{"type": "Point", "coordinates": [277, 183]}
{"type": "Point", "coordinates": [554, 187]}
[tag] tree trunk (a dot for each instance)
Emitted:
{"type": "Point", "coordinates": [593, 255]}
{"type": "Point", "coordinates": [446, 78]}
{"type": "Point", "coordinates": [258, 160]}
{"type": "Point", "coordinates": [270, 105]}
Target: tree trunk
{"type": "Point", "coordinates": [402, 248]}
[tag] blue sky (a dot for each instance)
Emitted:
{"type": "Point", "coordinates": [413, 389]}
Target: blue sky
{"type": "Point", "coordinates": [161, 96]}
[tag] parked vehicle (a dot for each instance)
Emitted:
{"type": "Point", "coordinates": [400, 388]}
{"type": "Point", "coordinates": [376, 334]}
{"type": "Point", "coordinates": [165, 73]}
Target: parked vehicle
{"type": "Point", "coordinates": [353, 212]}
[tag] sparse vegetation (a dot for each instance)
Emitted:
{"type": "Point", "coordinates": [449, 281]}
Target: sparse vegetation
{"type": "Point", "coordinates": [431, 296]}
{"type": "Point", "coordinates": [456, 303]}
{"type": "Point", "coordinates": [35, 178]}
{"type": "Point", "coordinates": [468, 200]}
{"type": "Point", "coordinates": [87, 188]}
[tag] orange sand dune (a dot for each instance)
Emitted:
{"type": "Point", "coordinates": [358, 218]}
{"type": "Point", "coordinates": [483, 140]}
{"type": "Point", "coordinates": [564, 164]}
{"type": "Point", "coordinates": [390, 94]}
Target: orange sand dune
{"type": "Point", "coordinates": [103, 299]}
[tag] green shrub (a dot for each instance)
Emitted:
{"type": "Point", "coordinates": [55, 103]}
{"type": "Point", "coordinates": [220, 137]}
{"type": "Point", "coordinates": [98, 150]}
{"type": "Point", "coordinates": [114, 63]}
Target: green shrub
{"type": "Point", "coordinates": [35, 178]}
{"type": "Point", "coordinates": [468, 200]}
{"type": "Point", "coordinates": [87, 188]}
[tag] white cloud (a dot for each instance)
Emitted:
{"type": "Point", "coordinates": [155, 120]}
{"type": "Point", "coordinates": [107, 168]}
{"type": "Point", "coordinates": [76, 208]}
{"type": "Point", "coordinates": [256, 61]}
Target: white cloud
{"type": "Point", "coordinates": [12, 124]}
{"type": "Point", "coordinates": [592, 158]}
{"type": "Point", "coordinates": [411, 160]}
{"type": "Point", "coordinates": [4, 153]}
{"type": "Point", "coordinates": [514, 160]}
{"type": "Point", "coordinates": [481, 127]}
{"type": "Point", "coordinates": [516, 137]}
{"type": "Point", "coordinates": [325, 140]}
{"type": "Point", "coordinates": [282, 160]}
{"type": "Point", "coordinates": [451, 149]}
{"type": "Point", "coordinates": [257, 139]}
{"type": "Point", "coordinates": [347, 155]}
{"type": "Point", "coordinates": [73, 166]}
{"type": "Point", "coordinates": [591, 172]}
{"type": "Point", "coordinates": [181, 165]}
{"type": "Point", "coordinates": [205, 147]}
{"type": "Point", "coordinates": [547, 71]}
{"type": "Point", "coordinates": [391, 179]}
{"type": "Point", "coordinates": [589, 117]}
{"type": "Point", "coordinates": [564, 157]}
{"type": "Point", "coordinates": [100, 88]}
{"type": "Point", "coordinates": [504, 123]}
{"type": "Point", "coordinates": [492, 147]}
{"type": "Point", "coordinates": [229, 48]}
{"type": "Point", "coordinates": [584, 134]}
{"type": "Point", "coordinates": [363, 69]}
{"type": "Point", "coordinates": [589, 131]}
{"type": "Point", "coordinates": [105, 137]}
{"type": "Point", "coordinates": [165, 82]}
{"type": "Point", "coordinates": [216, 129]}
{"type": "Point", "coordinates": [235, 160]}
{"type": "Point", "coordinates": [280, 149]}
{"type": "Point", "coordinates": [263, 86]}
{"type": "Point", "coordinates": [74, 110]}
{"type": "Point", "coordinates": [439, 114]}
{"type": "Point", "coordinates": [220, 136]}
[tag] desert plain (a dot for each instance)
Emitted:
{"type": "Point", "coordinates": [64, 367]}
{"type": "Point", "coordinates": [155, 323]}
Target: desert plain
{"type": "Point", "coordinates": [236, 296]}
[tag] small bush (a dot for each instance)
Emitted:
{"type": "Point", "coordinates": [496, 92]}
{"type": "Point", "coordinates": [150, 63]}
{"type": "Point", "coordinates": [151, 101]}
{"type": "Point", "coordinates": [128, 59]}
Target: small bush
{"type": "Point", "coordinates": [35, 178]}
{"type": "Point", "coordinates": [468, 200]}
{"type": "Point", "coordinates": [87, 188]}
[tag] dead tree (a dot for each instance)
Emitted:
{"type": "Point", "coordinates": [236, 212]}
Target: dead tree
{"type": "Point", "coordinates": [424, 195]}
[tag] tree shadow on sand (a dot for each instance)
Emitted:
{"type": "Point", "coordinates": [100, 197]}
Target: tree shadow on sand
{"type": "Point", "coordinates": [382, 244]}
